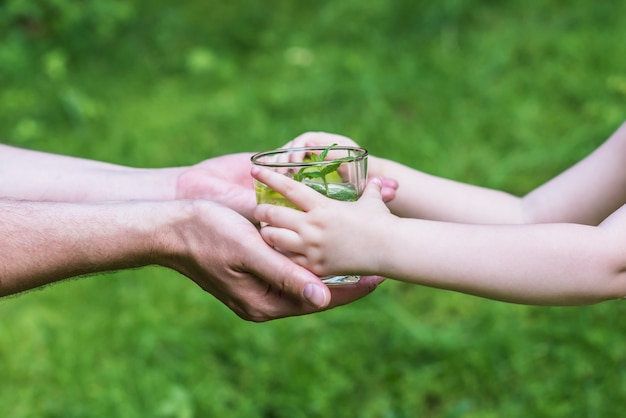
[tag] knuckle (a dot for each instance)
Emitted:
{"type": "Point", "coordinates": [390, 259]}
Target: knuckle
{"type": "Point", "coordinates": [272, 213]}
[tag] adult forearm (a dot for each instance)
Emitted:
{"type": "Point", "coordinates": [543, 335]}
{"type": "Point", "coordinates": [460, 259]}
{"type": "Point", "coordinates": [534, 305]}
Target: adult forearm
{"type": "Point", "coordinates": [40, 176]}
{"type": "Point", "coordinates": [41, 243]}
{"type": "Point", "coordinates": [549, 264]}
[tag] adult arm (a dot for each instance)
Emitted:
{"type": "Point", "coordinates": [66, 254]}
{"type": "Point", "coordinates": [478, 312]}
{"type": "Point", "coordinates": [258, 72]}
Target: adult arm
{"type": "Point", "coordinates": [45, 242]}
{"type": "Point", "coordinates": [41, 176]}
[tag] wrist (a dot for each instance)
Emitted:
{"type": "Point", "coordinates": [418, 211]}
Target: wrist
{"type": "Point", "coordinates": [147, 184]}
{"type": "Point", "coordinates": [179, 231]}
{"type": "Point", "coordinates": [129, 231]}
{"type": "Point", "coordinates": [377, 166]}
{"type": "Point", "coordinates": [165, 232]}
{"type": "Point", "coordinates": [381, 232]}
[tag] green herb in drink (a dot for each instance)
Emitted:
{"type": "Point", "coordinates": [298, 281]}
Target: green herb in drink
{"type": "Point", "coordinates": [319, 174]}
{"type": "Point", "coordinates": [321, 171]}
{"type": "Point", "coordinates": [343, 192]}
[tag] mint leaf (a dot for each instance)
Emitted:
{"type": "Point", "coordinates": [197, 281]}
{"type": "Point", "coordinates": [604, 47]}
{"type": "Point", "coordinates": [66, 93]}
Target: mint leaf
{"type": "Point", "coordinates": [325, 152]}
{"type": "Point", "coordinates": [312, 172]}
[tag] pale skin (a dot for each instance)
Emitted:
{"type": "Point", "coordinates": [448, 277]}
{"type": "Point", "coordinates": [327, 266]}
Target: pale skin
{"type": "Point", "coordinates": [563, 243]}
{"type": "Point", "coordinates": [62, 217]}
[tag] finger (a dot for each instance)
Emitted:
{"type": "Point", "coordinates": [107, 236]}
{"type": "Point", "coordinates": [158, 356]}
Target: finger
{"type": "Point", "coordinates": [297, 193]}
{"type": "Point", "coordinates": [388, 190]}
{"type": "Point", "coordinates": [282, 239]}
{"type": "Point", "coordinates": [302, 140]}
{"type": "Point", "coordinates": [342, 295]}
{"type": "Point", "coordinates": [279, 216]}
{"type": "Point", "coordinates": [283, 274]}
{"type": "Point", "coordinates": [310, 139]}
{"type": "Point", "coordinates": [390, 183]}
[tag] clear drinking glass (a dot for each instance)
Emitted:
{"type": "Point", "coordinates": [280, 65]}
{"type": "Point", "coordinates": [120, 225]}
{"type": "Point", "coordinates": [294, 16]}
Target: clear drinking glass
{"type": "Point", "coordinates": [339, 172]}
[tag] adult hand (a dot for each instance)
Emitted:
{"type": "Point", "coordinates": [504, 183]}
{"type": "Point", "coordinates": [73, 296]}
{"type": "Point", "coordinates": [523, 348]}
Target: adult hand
{"type": "Point", "coordinates": [225, 179]}
{"type": "Point", "coordinates": [225, 255]}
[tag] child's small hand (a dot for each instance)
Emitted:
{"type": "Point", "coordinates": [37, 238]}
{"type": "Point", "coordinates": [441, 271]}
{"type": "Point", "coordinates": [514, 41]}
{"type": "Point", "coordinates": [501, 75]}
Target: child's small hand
{"type": "Point", "coordinates": [313, 139]}
{"type": "Point", "coordinates": [328, 236]}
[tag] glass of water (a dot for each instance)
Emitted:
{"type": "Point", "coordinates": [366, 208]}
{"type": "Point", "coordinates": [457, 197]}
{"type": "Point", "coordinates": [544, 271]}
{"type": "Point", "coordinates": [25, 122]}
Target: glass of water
{"type": "Point", "coordinates": [338, 172]}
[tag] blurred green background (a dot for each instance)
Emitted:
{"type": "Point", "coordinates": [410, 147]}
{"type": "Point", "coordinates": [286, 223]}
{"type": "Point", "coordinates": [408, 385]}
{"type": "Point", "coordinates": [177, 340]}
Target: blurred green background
{"type": "Point", "coordinates": [500, 93]}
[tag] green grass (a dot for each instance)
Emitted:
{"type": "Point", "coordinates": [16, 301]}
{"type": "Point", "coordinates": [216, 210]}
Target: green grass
{"type": "Point", "coordinates": [503, 94]}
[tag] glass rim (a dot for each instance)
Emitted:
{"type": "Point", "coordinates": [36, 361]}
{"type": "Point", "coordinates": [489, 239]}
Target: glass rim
{"type": "Point", "coordinates": [362, 153]}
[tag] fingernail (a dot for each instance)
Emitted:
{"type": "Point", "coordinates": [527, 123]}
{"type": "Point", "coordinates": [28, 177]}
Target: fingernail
{"type": "Point", "coordinates": [315, 295]}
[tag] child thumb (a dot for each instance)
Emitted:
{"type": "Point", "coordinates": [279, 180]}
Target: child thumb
{"type": "Point", "coordinates": [373, 190]}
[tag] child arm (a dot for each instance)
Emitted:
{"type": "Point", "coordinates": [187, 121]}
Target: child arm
{"type": "Point", "coordinates": [542, 264]}
{"type": "Point", "coordinates": [586, 193]}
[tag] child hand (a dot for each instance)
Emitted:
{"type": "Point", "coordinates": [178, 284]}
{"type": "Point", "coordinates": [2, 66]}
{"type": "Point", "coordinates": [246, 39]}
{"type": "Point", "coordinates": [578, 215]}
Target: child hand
{"type": "Point", "coordinates": [328, 236]}
{"type": "Point", "coordinates": [312, 139]}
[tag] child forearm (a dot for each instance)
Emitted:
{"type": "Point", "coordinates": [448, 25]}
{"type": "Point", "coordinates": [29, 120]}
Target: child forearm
{"type": "Point", "coordinates": [587, 192]}
{"type": "Point", "coordinates": [548, 264]}
{"type": "Point", "coordinates": [424, 196]}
